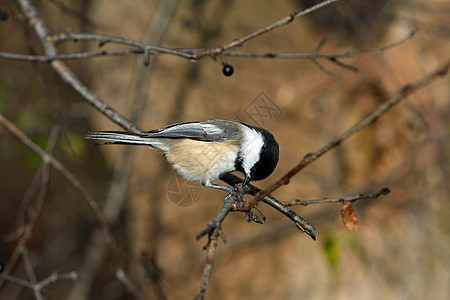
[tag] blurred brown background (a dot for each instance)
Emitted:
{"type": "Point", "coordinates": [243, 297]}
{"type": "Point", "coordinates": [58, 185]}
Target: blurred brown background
{"type": "Point", "coordinates": [401, 250]}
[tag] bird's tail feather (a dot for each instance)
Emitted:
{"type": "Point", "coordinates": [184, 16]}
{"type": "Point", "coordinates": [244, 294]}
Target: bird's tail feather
{"type": "Point", "coordinates": [121, 137]}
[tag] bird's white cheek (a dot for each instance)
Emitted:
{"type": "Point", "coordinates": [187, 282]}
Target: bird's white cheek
{"type": "Point", "coordinates": [251, 147]}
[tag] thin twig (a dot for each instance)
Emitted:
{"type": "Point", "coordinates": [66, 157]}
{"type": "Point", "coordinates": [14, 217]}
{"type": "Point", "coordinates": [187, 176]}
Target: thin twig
{"type": "Point", "coordinates": [155, 50]}
{"type": "Point", "coordinates": [48, 40]}
{"type": "Point", "coordinates": [149, 50]}
{"type": "Point", "coordinates": [117, 192]}
{"type": "Point", "coordinates": [48, 158]}
{"type": "Point", "coordinates": [217, 222]}
{"type": "Point", "coordinates": [26, 230]}
{"type": "Point", "coordinates": [28, 266]}
{"type": "Point", "coordinates": [105, 39]}
{"type": "Point", "coordinates": [43, 33]}
{"type": "Point", "coordinates": [70, 56]}
{"type": "Point", "coordinates": [286, 20]}
{"type": "Point", "coordinates": [190, 53]}
{"type": "Point", "coordinates": [316, 54]}
{"type": "Point", "coordinates": [372, 117]}
{"type": "Point", "coordinates": [232, 180]}
{"type": "Point", "coordinates": [381, 192]}
{"type": "Point", "coordinates": [210, 256]}
{"type": "Point", "coordinates": [66, 73]}
{"type": "Point", "coordinates": [38, 287]}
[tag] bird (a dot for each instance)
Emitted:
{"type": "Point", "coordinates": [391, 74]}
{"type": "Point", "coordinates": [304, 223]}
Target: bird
{"type": "Point", "coordinates": [206, 150]}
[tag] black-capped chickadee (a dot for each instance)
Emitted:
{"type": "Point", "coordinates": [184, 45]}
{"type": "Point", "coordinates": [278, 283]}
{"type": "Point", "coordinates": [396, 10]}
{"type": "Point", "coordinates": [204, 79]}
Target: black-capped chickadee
{"type": "Point", "coordinates": [204, 151]}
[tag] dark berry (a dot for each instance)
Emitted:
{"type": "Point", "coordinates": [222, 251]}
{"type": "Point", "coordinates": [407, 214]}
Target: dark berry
{"type": "Point", "coordinates": [227, 70]}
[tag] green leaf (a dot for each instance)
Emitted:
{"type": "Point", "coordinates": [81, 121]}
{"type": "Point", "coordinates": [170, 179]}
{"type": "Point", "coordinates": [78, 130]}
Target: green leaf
{"type": "Point", "coordinates": [331, 250]}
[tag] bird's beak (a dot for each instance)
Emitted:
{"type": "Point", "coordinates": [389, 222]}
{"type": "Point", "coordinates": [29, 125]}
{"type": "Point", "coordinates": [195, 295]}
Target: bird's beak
{"type": "Point", "coordinates": [246, 181]}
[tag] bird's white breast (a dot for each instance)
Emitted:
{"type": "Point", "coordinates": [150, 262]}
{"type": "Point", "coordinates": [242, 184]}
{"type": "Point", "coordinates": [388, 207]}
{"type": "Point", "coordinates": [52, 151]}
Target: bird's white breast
{"type": "Point", "coordinates": [201, 161]}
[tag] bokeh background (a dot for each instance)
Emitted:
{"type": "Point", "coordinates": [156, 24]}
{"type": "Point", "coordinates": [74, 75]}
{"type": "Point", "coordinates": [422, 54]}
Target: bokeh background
{"type": "Point", "coordinates": [402, 249]}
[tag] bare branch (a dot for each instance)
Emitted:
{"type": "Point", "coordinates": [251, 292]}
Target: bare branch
{"type": "Point", "coordinates": [28, 266]}
{"type": "Point", "coordinates": [316, 54]}
{"type": "Point", "coordinates": [372, 117]}
{"type": "Point", "coordinates": [25, 231]}
{"type": "Point", "coordinates": [190, 53]}
{"type": "Point", "coordinates": [55, 59]}
{"type": "Point", "coordinates": [118, 188]}
{"type": "Point", "coordinates": [147, 50]}
{"type": "Point", "coordinates": [210, 256]}
{"type": "Point", "coordinates": [66, 74]}
{"type": "Point", "coordinates": [38, 287]}
{"type": "Point", "coordinates": [232, 180]}
{"type": "Point", "coordinates": [381, 192]}
{"type": "Point", "coordinates": [193, 54]}
{"type": "Point", "coordinates": [70, 56]}
{"type": "Point", "coordinates": [354, 53]}
{"type": "Point", "coordinates": [286, 20]}
{"type": "Point", "coordinates": [217, 222]}
{"type": "Point", "coordinates": [48, 158]}
{"type": "Point", "coordinates": [105, 39]}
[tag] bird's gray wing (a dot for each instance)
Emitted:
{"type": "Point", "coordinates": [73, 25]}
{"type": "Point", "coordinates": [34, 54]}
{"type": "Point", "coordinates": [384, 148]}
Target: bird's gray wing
{"type": "Point", "coordinates": [210, 131]}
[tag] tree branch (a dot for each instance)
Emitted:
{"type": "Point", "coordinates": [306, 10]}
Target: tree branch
{"type": "Point", "coordinates": [299, 222]}
{"type": "Point", "coordinates": [381, 192]}
{"type": "Point", "coordinates": [211, 247]}
{"type": "Point", "coordinates": [65, 73]}
{"type": "Point", "coordinates": [147, 49]}
{"type": "Point", "coordinates": [190, 53]}
{"type": "Point", "coordinates": [48, 158]}
{"type": "Point", "coordinates": [217, 222]}
{"type": "Point", "coordinates": [118, 188]}
{"type": "Point", "coordinates": [405, 91]}
{"type": "Point", "coordinates": [25, 231]}
{"type": "Point", "coordinates": [38, 287]}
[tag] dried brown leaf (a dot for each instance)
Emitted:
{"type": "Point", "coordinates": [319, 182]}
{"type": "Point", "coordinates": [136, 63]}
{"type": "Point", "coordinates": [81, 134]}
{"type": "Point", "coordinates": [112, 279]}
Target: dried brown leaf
{"type": "Point", "coordinates": [348, 216]}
